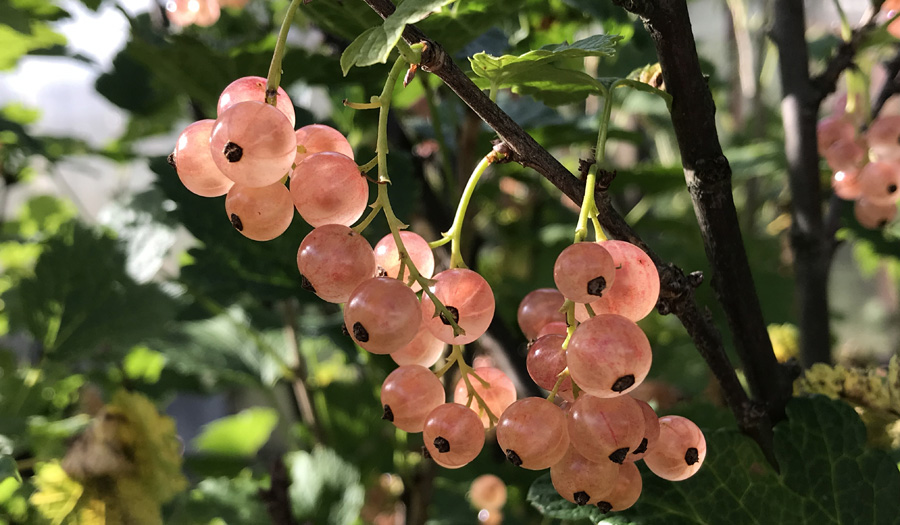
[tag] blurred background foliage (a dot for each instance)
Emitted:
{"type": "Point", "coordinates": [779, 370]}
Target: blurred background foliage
{"type": "Point", "coordinates": [123, 294]}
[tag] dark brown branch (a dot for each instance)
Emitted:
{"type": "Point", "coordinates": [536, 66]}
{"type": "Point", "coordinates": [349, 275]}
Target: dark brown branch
{"type": "Point", "coordinates": [678, 297]}
{"type": "Point", "coordinates": [708, 176]}
{"type": "Point", "coordinates": [276, 497]}
{"type": "Point", "coordinates": [891, 84]}
{"type": "Point", "coordinates": [799, 109]}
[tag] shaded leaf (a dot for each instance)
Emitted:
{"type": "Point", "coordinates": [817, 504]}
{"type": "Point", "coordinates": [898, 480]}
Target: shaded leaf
{"type": "Point", "coordinates": [242, 434]}
{"type": "Point", "coordinates": [324, 488]}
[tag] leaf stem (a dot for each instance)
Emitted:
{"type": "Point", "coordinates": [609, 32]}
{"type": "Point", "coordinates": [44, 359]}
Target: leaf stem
{"type": "Point", "coordinates": [274, 77]}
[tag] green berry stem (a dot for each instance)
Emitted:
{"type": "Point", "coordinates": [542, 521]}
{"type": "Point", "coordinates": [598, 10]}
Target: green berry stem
{"type": "Point", "coordinates": [559, 379]}
{"type": "Point", "coordinates": [568, 308]}
{"type": "Point", "coordinates": [274, 77]}
{"type": "Point", "coordinates": [454, 234]}
{"type": "Point", "coordinates": [588, 206]}
{"type": "Point", "coordinates": [383, 202]}
{"type": "Point", "coordinates": [456, 358]}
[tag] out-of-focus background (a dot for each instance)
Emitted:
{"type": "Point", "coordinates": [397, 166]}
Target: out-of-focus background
{"type": "Point", "coordinates": [116, 278]}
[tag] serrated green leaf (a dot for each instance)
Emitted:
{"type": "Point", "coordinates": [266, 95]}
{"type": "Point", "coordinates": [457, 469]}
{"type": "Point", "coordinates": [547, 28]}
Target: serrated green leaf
{"type": "Point", "coordinates": [80, 298]}
{"type": "Point", "coordinates": [374, 45]}
{"type": "Point", "coordinates": [242, 434]}
{"type": "Point", "coordinates": [324, 488]}
{"type": "Point", "coordinates": [827, 477]}
{"type": "Point", "coordinates": [496, 69]}
{"type": "Point", "coordinates": [543, 73]}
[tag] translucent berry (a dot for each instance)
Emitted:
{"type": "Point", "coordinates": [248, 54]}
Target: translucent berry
{"type": "Point", "coordinates": [883, 138]}
{"type": "Point", "coordinates": [554, 328]}
{"type": "Point", "coordinates": [487, 492]}
{"type": "Point", "coordinates": [539, 308]}
{"type": "Point", "coordinates": [608, 355]}
{"type": "Point", "coordinates": [606, 429]}
{"type": "Point", "coordinates": [499, 393]}
{"type": "Point", "coordinates": [873, 216]}
{"type": "Point", "coordinates": [409, 394]}
{"type": "Point", "coordinates": [388, 258]}
{"type": "Point", "coordinates": [680, 451]}
{"type": "Point", "coordinates": [636, 288]}
{"type": "Point", "coordinates": [425, 349]}
{"type": "Point", "coordinates": [879, 182]}
{"type": "Point", "coordinates": [533, 434]}
{"type": "Point", "coordinates": [254, 88]}
{"type": "Point", "coordinates": [584, 271]}
{"type": "Point", "coordinates": [333, 259]}
{"type": "Point", "coordinates": [582, 481]}
{"type": "Point", "coordinates": [846, 184]}
{"type": "Point", "coordinates": [626, 490]}
{"type": "Point", "coordinates": [253, 144]}
{"type": "Point", "coordinates": [316, 138]}
{"type": "Point", "coordinates": [194, 163]}
{"type": "Point", "coordinates": [329, 189]}
{"type": "Point", "coordinates": [262, 213]}
{"type": "Point", "coordinates": [831, 129]}
{"type": "Point", "coordinates": [546, 360]}
{"type": "Point", "coordinates": [469, 299]}
{"type": "Point", "coordinates": [651, 432]}
{"type": "Point", "coordinates": [382, 315]}
{"type": "Point", "coordinates": [453, 435]}
{"type": "Point", "coordinates": [845, 154]}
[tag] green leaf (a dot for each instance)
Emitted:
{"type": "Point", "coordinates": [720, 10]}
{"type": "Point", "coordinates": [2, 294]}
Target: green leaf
{"type": "Point", "coordinates": [80, 298]}
{"type": "Point", "coordinates": [374, 45]}
{"type": "Point", "coordinates": [545, 73]}
{"type": "Point", "coordinates": [8, 469]}
{"type": "Point", "coordinates": [827, 477]}
{"type": "Point", "coordinates": [324, 488]}
{"type": "Point", "coordinates": [242, 434]}
{"type": "Point", "coordinates": [820, 449]}
{"type": "Point", "coordinates": [144, 364]}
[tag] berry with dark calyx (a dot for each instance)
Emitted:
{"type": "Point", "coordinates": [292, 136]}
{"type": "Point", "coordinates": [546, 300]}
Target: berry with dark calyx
{"type": "Point", "coordinates": [253, 144]}
{"type": "Point", "coordinates": [384, 314]}
{"type": "Point", "coordinates": [470, 294]}
{"type": "Point", "coordinates": [261, 214]}
{"type": "Point", "coordinates": [460, 431]}
{"type": "Point", "coordinates": [441, 444]}
{"type": "Point", "coordinates": [582, 481]}
{"type": "Point", "coordinates": [651, 432]}
{"type": "Point", "coordinates": [533, 433]}
{"type": "Point", "coordinates": [635, 292]}
{"type": "Point", "coordinates": [605, 429]}
{"type": "Point", "coordinates": [873, 216]}
{"type": "Point", "coordinates": [360, 333]}
{"type": "Point", "coordinates": [233, 152]}
{"type": "Point", "coordinates": [878, 183]}
{"type": "Point", "coordinates": [626, 490]}
{"type": "Point", "coordinates": [388, 257]}
{"type": "Point", "coordinates": [608, 355]}
{"type": "Point", "coordinates": [619, 455]}
{"type": "Point", "coordinates": [680, 450]}
{"type": "Point", "coordinates": [409, 394]}
{"type": "Point", "coordinates": [583, 271]}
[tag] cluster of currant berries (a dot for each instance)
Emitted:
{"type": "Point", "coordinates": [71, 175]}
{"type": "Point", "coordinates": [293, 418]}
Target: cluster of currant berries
{"type": "Point", "coordinates": [249, 152]}
{"type": "Point", "coordinates": [589, 441]}
{"type": "Point", "coordinates": [866, 167]}
{"type": "Point", "coordinates": [203, 13]}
